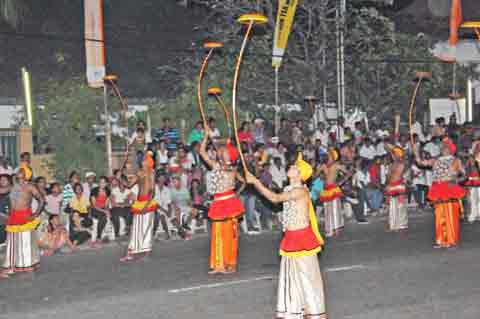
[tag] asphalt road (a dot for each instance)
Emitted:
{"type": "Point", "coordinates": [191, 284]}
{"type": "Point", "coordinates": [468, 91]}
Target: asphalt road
{"type": "Point", "coordinates": [368, 273]}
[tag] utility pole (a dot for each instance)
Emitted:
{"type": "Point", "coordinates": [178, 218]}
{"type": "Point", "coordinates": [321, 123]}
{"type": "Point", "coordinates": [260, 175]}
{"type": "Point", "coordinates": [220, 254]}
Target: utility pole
{"type": "Point", "coordinates": [340, 21]}
{"type": "Point", "coordinates": [108, 130]}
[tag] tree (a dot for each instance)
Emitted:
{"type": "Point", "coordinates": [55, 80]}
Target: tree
{"type": "Point", "coordinates": [67, 123]}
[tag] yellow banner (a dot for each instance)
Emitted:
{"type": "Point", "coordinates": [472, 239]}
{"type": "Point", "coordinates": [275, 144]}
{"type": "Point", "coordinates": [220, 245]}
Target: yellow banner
{"type": "Point", "coordinates": [94, 43]}
{"type": "Point", "coordinates": [285, 16]}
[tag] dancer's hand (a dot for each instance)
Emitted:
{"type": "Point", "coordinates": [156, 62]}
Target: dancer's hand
{"type": "Point", "coordinates": [249, 178]}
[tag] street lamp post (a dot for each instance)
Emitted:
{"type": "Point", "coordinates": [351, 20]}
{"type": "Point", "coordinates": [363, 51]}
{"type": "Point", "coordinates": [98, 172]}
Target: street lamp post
{"type": "Point", "coordinates": [108, 130]}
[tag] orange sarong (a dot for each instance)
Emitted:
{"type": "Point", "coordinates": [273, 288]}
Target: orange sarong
{"type": "Point", "coordinates": [224, 245]}
{"type": "Point", "coordinates": [447, 215]}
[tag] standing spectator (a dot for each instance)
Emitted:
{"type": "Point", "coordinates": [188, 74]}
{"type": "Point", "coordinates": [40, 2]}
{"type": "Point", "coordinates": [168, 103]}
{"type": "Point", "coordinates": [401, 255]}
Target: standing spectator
{"type": "Point", "coordinates": [163, 198]}
{"type": "Point", "coordinates": [121, 200]}
{"type": "Point", "coordinates": [368, 150]}
{"type": "Point", "coordinates": [99, 203]}
{"type": "Point", "coordinates": [259, 131]}
{"type": "Point", "coordinates": [162, 155]}
{"type": "Point", "coordinates": [285, 133]}
{"type": "Point", "coordinates": [278, 173]}
{"type": "Point", "coordinates": [146, 132]}
{"type": "Point", "coordinates": [5, 168]}
{"type": "Point", "coordinates": [5, 187]}
{"type": "Point", "coordinates": [68, 191]}
{"type": "Point", "coordinates": [196, 134]}
{"type": "Point", "coordinates": [194, 155]}
{"type": "Point", "coordinates": [214, 131]}
{"type": "Point", "coordinates": [54, 200]}
{"type": "Point", "coordinates": [297, 133]}
{"type": "Point", "coordinates": [89, 183]}
{"type": "Point", "coordinates": [321, 134]}
{"type": "Point", "coordinates": [197, 194]}
{"type": "Point", "coordinates": [245, 134]}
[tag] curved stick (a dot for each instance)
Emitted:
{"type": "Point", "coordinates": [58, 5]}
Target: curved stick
{"type": "Point", "coordinates": [227, 114]}
{"type": "Point", "coordinates": [410, 114]}
{"type": "Point", "coordinates": [234, 93]}
{"type": "Point", "coordinates": [125, 110]}
{"type": "Point", "coordinates": [199, 86]}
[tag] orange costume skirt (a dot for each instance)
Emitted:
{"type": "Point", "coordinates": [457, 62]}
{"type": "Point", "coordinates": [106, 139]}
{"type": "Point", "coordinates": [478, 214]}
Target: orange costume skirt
{"type": "Point", "coordinates": [224, 213]}
{"type": "Point", "coordinates": [446, 198]}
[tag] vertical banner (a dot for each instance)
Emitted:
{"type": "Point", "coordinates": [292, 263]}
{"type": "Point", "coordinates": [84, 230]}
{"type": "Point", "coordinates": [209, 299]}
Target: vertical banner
{"type": "Point", "coordinates": [94, 43]}
{"type": "Point", "coordinates": [285, 16]}
{"type": "Point", "coordinates": [455, 21]}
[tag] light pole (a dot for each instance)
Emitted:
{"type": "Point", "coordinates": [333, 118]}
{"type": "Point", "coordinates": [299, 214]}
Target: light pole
{"type": "Point", "coordinates": [108, 129]}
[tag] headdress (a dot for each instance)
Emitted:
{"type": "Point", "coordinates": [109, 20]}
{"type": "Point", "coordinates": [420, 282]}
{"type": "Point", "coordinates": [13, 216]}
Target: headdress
{"type": "Point", "coordinates": [333, 153]}
{"type": "Point", "coordinates": [148, 161]}
{"type": "Point", "coordinates": [451, 146]}
{"type": "Point", "coordinates": [305, 169]}
{"type": "Point", "coordinates": [232, 152]}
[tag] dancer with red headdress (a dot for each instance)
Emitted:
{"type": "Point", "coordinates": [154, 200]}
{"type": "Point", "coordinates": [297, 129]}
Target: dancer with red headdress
{"type": "Point", "coordinates": [446, 194]}
{"type": "Point", "coordinates": [143, 211]}
{"type": "Point", "coordinates": [226, 207]}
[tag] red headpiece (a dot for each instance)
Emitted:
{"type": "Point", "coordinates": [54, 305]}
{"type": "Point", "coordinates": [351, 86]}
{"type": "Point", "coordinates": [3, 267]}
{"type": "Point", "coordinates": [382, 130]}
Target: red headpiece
{"type": "Point", "coordinates": [448, 143]}
{"type": "Point", "coordinates": [232, 152]}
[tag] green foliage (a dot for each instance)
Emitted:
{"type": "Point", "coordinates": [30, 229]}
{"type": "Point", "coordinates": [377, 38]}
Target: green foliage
{"type": "Point", "coordinates": [66, 123]}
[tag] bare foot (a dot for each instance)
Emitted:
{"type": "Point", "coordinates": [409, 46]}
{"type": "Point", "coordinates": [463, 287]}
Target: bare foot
{"type": "Point", "coordinates": [127, 258]}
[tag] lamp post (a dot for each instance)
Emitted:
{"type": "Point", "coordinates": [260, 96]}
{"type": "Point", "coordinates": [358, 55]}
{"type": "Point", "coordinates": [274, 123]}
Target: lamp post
{"type": "Point", "coordinates": [108, 128]}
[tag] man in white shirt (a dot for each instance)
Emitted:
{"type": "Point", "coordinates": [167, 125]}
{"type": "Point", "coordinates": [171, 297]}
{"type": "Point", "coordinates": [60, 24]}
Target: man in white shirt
{"type": "Point", "coordinates": [163, 197]}
{"type": "Point", "coordinates": [367, 151]}
{"type": "Point", "coordinates": [121, 200]}
{"type": "Point", "coordinates": [321, 134]}
{"type": "Point", "coordinates": [278, 172]}
{"type": "Point", "coordinates": [89, 183]}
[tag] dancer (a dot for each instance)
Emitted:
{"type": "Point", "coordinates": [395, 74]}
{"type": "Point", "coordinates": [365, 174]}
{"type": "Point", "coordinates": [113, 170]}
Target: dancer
{"type": "Point", "coordinates": [332, 193]}
{"type": "Point", "coordinates": [22, 253]}
{"type": "Point", "coordinates": [143, 211]}
{"type": "Point", "coordinates": [445, 194]}
{"type": "Point", "coordinates": [226, 207]}
{"type": "Point", "coordinates": [473, 184]}
{"type": "Point", "coordinates": [300, 288]}
{"type": "Point", "coordinates": [396, 190]}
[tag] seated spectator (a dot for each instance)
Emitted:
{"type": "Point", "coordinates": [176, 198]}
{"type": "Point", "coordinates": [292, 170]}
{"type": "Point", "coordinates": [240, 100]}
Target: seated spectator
{"type": "Point", "coordinates": [121, 201]}
{"type": "Point", "coordinates": [182, 207]}
{"type": "Point", "coordinates": [57, 236]}
{"type": "Point", "coordinates": [197, 194]}
{"type": "Point", "coordinates": [5, 168]}
{"type": "Point", "coordinates": [196, 134]}
{"type": "Point", "coordinates": [99, 208]}
{"type": "Point", "coordinates": [79, 229]}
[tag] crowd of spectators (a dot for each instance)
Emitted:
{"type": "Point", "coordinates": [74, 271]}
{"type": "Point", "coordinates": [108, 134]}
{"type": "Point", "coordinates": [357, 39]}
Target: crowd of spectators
{"type": "Point", "coordinates": [91, 209]}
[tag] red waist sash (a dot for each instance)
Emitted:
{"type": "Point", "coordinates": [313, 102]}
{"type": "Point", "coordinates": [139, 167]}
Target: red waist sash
{"type": "Point", "coordinates": [225, 205]}
{"type": "Point", "coordinates": [20, 217]}
{"type": "Point", "coordinates": [330, 193]}
{"type": "Point", "coordinates": [395, 189]}
{"type": "Point", "coordinates": [300, 241]}
{"type": "Point", "coordinates": [444, 191]}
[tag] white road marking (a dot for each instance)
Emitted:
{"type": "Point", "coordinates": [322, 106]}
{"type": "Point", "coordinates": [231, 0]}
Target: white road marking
{"type": "Point", "coordinates": [243, 281]}
{"type": "Point", "coordinates": [345, 268]}
{"type": "Point", "coordinates": [222, 284]}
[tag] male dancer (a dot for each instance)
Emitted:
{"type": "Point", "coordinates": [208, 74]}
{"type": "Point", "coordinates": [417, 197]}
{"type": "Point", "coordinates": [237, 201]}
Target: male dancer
{"type": "Point", "coordinates": [446, 194]}
{"type": "Point", "coordinates": [332, 193]}
{"type": "Point", "coordinates": [226, 207]}
{"type": "Point", "coordinates": [396, 190]}
{"type": "Point", "coordinates": [22, 252]}
{"type": "Point", "coordinates": [473, 184]}
{"type": "Point", "coordinates": [300, 288]}
{"type": "Point", "coordinates": [143, 210]}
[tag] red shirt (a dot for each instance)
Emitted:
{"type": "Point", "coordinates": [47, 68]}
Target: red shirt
{"type": "Point", "coordinates": [374, 172]}
{"type": "Point", "coordinates": [245, 136]}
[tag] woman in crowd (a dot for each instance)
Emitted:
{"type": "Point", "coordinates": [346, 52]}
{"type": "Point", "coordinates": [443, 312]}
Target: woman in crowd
{"type": "Point", "coordinates": [99, 208]}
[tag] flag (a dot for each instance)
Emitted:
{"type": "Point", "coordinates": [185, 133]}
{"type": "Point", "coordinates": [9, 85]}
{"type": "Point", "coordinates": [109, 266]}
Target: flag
{"type": "Point", "coordinates": [94, 43]}
{"type": "Point", "coordinates": [455, 21]}
{"type": "Point", "coordinates": [285, 16]}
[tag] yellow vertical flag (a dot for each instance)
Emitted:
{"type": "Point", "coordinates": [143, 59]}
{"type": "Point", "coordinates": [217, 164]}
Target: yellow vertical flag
{"type": "Point", "coordinates": [94, 42]}
{"type": "Point", "coordinates": [285, 16]}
